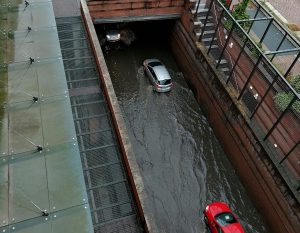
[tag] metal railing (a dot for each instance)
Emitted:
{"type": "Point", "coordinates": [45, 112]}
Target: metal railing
{"type": "Point", "coordinates": [260, 60]}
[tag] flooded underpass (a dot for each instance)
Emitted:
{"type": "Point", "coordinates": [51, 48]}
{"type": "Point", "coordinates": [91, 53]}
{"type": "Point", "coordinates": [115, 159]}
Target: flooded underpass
{"type": "Point", "coordinates": [182, 164]}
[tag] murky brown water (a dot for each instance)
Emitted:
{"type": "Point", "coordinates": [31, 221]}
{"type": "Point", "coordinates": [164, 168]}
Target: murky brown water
{"type": "Point", "coordinates": [181, 161]}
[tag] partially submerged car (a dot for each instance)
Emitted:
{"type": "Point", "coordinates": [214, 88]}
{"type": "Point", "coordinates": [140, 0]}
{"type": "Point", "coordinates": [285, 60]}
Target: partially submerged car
{"type": "Point", "coordinates": [220, 219]}
{"type": "Point", "coordinates": [158, 75]}
{"type": "Point", "coordinates": [113, 35]}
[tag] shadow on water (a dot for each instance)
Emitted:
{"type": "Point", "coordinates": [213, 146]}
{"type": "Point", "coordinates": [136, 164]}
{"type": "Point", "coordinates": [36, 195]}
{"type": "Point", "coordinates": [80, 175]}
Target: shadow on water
{"type": "Point", "coordinates": [182, 163]}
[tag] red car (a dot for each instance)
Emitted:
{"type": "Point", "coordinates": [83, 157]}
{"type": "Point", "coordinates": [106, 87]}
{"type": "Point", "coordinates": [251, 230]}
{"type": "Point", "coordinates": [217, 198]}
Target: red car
{"type": "Point", "coordinates": [220, 219]}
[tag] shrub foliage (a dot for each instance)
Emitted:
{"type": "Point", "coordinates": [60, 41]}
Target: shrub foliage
{"type": "Point", "coordinates": [283, 99]}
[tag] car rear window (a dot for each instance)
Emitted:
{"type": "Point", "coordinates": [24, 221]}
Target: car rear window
{"type": "Point", "coordinates": [165, 82]}
{"type": "Point", "coordinates": [154, 63]}
{"type": "Point", "coordinates": [225, 218]}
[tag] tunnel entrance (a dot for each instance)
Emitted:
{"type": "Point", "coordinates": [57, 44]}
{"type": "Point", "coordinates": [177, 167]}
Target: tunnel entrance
{"type": "Point", "coordinates": [143, 33]}
{"type": "Point", "coordinates": [182, 164]}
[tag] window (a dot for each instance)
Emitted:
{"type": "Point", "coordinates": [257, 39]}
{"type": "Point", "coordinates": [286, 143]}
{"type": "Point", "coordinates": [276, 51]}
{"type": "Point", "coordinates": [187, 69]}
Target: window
{"type": "Point", "coordinates": [152, 72]}
{"type": "Point", "coordinates": [154, 63]}
{"type": "Point", "coordinates": [225, 218]}
{"type": "Point", "coordinates": [165, 82]}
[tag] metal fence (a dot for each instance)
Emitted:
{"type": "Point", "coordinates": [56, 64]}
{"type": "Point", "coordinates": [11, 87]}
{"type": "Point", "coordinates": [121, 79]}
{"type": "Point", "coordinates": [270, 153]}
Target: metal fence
{"type": "Point", "coordinates": [260, 60]}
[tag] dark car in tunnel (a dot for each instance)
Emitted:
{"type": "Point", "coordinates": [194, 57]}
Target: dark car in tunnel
{"type": "Point", "coordinates": [113, 35]}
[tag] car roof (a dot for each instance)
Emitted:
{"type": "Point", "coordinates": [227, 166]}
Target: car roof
{"type": "Point", "coordinates": [160, 70]}
{"type": "Point", "coordinates": [233, 228]}
{"type": "Point", "coordinates": [218, 207]}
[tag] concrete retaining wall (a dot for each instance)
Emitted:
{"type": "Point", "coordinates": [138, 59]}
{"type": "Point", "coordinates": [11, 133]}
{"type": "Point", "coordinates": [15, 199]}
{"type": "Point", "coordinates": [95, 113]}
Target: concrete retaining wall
{"type": "Point", "coordinates": [225, 116]}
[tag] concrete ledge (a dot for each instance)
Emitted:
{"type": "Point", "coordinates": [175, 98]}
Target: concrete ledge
{"type": "Point", "coordinates": [134, 174]}
{"type": "Point", "coordinates": [136, 18]}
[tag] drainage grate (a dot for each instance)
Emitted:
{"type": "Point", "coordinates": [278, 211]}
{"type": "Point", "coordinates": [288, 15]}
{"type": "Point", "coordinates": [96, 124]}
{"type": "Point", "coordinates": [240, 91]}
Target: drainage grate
{"type": "Point", "coordinates": [112, 206]}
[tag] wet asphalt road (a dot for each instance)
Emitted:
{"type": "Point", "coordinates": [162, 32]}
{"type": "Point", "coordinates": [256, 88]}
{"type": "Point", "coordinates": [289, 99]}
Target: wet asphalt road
{"type": "Point", "coordinates": [181, 161]}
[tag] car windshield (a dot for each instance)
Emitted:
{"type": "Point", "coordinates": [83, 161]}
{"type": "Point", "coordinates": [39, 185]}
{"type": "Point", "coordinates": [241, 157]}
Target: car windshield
{"type": "Point", "coordinates": [154, 63]}
{"type": "Point", "coordinates": [164, 82]}
{"type": "Point", "coordinates": [112, 32]}
{"type": "Point", "coordinates": [225, 218]}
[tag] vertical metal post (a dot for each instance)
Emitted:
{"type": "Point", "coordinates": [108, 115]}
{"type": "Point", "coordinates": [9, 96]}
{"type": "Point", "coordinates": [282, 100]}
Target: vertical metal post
{"type": "Point", "coordinates": [216, 29]}
{"type": "Point", "coordinates": [256, 13]}
{"type": "Point", "coordinates": [278, 47]}
{"type": "Point", "coordinates": [225, 45]}
{"type": "Point", "coordinates": [237, 60]}
{"type": "Point", "coordinates": [280, 117]}
{"type": "Point", "coordinates": [250, 76]}
{"type": "Point", "coordinates": [197, 8]}
{"type": "Point", "coordinates": [292, 65]}
{"type": "Point", "coordinates": [291, 150]}
{"type": "Point", "coordinates": [205, 21]}
{"type": "Point", "coordinates": [264, 96]}
{"type": "Point", "coordinates": [266, 31]}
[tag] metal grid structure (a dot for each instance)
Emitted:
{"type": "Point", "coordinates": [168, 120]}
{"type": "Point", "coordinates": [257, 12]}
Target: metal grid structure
{"type": "Point", "coordinates": [258, 58]}
{"type": "Point", "coordinates": [113, 208]}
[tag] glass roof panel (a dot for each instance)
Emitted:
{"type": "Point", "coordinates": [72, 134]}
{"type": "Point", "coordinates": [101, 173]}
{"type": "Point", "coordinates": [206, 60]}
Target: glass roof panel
{"type": "Point", "coordinates": [36, 225]}
{"type": "Point", "coordinates": [22, 82]}
{"type": "Point", "coordinates": [4, 169]}
{"type": "Point", "coordinates": [73, 220]}
{"type": "Point", "coordinates": [42, 15]}
{"type": "Point", "coordinates": [51, 78]}
{"type": "Point", "coordinates": [35, 15]}
{"type": "Point", "coordinates": [46, 43]}
{"type": "Point", "coordinates": [77, 219]}
{"type": "Point", "coordinates": [57, 120]}
{"type": "Point", "coordinates": [36, 43]}
{"type": "Point", "coordinates": [25, 129]}
{"type": "Point", "coordinates": [65, 177]}
{"type": "Point", "coordinates": [3, 195]}
{"type": "Point", "coordinates": [3, 134]}
{"type": "Point", "coordinates": [28, 194]}
{"type": "Point", "coordinates": [22, 46]}
{"type": "Point", "coordinates": [34, 100]}
{"type": "Point", "coordinates": [41, 79]}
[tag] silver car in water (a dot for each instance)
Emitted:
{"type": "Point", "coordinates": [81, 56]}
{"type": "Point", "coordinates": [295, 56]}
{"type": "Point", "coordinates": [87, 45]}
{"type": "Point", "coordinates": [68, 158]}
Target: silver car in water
{"type": "Point", "coordinates": [113, 35]}
{"type": "Point", "coordinates": [158, 75]}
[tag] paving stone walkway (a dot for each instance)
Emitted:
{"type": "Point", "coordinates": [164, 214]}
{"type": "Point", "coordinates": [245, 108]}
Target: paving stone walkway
{"type": "Point", "coordinates": [289, 9]}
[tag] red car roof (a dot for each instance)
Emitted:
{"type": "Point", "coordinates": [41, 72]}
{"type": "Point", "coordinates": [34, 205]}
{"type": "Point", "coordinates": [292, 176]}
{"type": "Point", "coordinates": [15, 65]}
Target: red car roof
{"type": "Point", "coordinates": [218, 207]}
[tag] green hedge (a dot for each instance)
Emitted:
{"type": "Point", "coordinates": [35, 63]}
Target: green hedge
{"type": "Point", "coordinates": [282, 99]}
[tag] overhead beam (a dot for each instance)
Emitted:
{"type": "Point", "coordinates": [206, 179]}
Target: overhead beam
{"type": "Point", "coordinates": [134, 10]}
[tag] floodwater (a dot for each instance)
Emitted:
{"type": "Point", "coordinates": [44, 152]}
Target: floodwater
{"type": "Point", "coordinates": [182, 163]}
